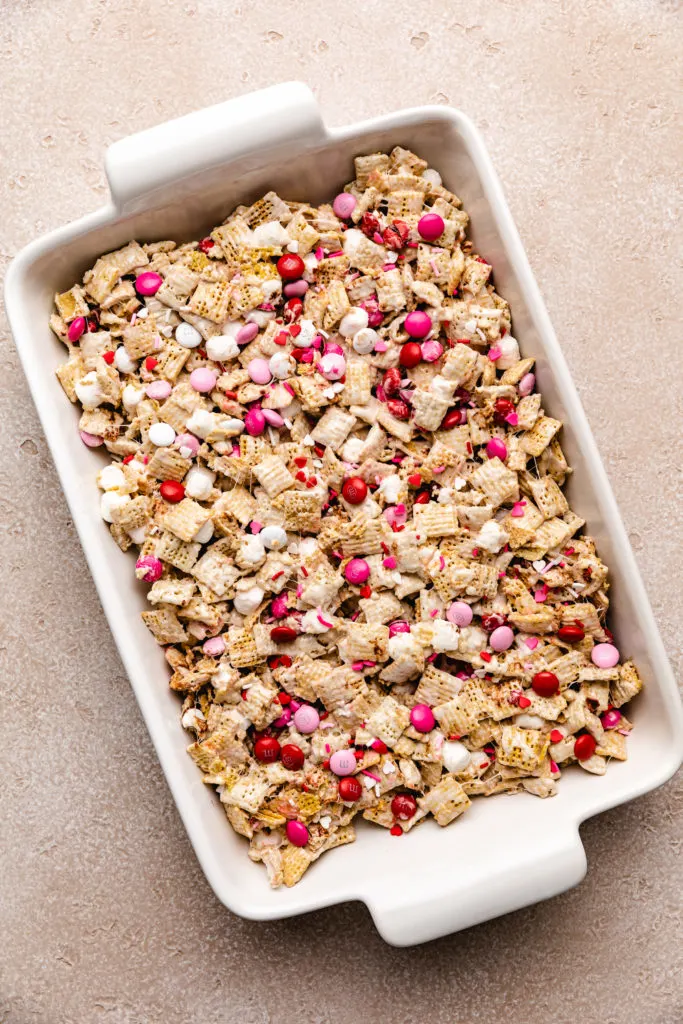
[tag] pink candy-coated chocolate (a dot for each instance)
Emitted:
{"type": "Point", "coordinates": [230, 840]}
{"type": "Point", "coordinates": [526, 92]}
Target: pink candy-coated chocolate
{"type": "Point", "coordinates": [259, 371]}
{"type": "Point", "coordinates": [496, 449]}
{"type": "Point", "coordinates": [246, 334]}
{"type": "Point", "coordinates": [527, 384]}
{"type": "Point", "coordinates": [344, 204]}
{"type": "Point", "coordinates": [418, 324]}
{"type": "Point", "coordinates": [332, 347]}
{"type": "Point", "coordinates": [214, 647]}
{"type": "Point", "coordinates": [605, 655]}
{"type": "Point", "coordinates": [343, 762]}
{"type": "Point", "coordinates": [284, 719]}
{"type": "Point", "coordinates": [422, 718]}
{"type": "Point", "coordinates": [297, 833]}
{"type": "Point", "coordinates": [611, 719]}
{"type": "Point", "coordinates": [203, 380]}
{"type": "Point", "coordinates": [357, 570]}
{"type": "Point", "coordinates": [399, 626]}
{"type": "Point", "coordinates": [152, 567]}
{"type": "Point", "coordinates": [460, 613]}
{"type": "Point", "coordinates": [332, 366]}
{"type": "Point", "coordinates": [274, 419]}
{"type": "Point", "coordinates": [306, 719]}
{"type": "Point", "coordinates": [295, 705]}
{"type": "Point", "coordinates": [502, 638]}
{"type": "Point", "coordinates": [279, 607]}
{"type": "Point", "coordinates": [431, 351]}
{"type": "Point", "coordinates": [90, 440]}
{"type": "Point", "coordinates": [431, 226]}
{"type": "Point", "coordinates": [159, 390]}
{"type": "Point", "coordinates": [389, 562]}
{"type": "Point", "coordinates": [255, 422]}
{"type": "Point", "coordinates": [295, 289]}
{"type": "Point", "coordinates": [189, 442]}
{"type": "Point", "coordinates": [148, 283]}
{"type": "Point", "coordinates": [76, 328]}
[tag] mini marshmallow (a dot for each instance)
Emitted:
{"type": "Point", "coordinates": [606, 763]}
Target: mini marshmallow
{"type": "Point", "coordinates": [132, 396]}
{"type": "Point", "coordinates": [123, 362]}
{"type": "Point", "coordinates": [509, 352]}
{"type": "Point", "coordinates": [204, 533]}
{"type": "Point", "coordinates": [109, 501]}
{"type": "Point", "coordinates": [364, 341]}
{"type": "Point", "coordinates": [273, 537]}
{"type": "Point", "coordinates": [308, 332]}
{"type": "Point", "coordinates": [445, 635]}
{"type": "Point", "coordinates": [221, 348]}
{"type": "Point", "coordinates": [88, 391]}
{"type": "Point", "coordinates": [354, 321]}
{"type": "Point", "coordinates": [492, 537]}
{"type": "Point", "coordinates": [281, 365]}
{"type": "Point", "coordinates": [111, 478]}
{"type": "Point", "coordinates": [247, 601]}
{"type": "Point", "coordinates": [199, 483]}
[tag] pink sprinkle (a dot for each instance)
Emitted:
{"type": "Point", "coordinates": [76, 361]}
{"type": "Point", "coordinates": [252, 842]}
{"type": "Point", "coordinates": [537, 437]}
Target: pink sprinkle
{"type": "Point", "coordinates": [338, 252]}
{"type": "Point", "coordinates": [255, 526]}
{"type": "Point", "coordinates": [531, 642]}
{"type": "Point", "coordinates": [553, 767]}
{"type": "Point", "coordinates": [438, 469]}
{"type": "Point", "coordinates": [355, 616]}
{"type": "Point", "coordinates": [378, 238]}
{"type": "Point", "coordinates": [434, 612]}
{"type": "Point", "coordinates": [299, 590]}
{"type": "Point", "coordinates": [399, 626]}
{"type": "Point", "coordinates": [432, 657]}
{"type": "Point", "coordinates": [387, 267]}
{"type": "Point", "coordinates": [324, 622]}
{"type": "Point", "coordinates": [357, 666]}
{"type": "Point", "coordinates": [319, 253]}
{"type": "Point", "coordinates": [475, 552]}
{"type": "Point", "coordinates": [390, 562]}
{"type": "Point", "coordinates": [518, 509]}
{"type": "Point", "coordinates": [512, 418]}
{"type": "Point", "coordinates": [288, 388]}
{"type": "Point", "coordinates": [369, 664]}
{"type": "Point", "coordinates": [442, 563]}
{"type": "Point", "coordinates": [381, 346]}
{"type": "Point", "coordinates": [327, 748]}
{"type": "Point", "coordinates": [494, 353]}
{"type": "Point", "coordinates": [307, 356]}
{"type": "Point", "coordinates": [569, 551]}
{"type": "Point", "coordinates": [541, 594]}
{"type": "Point", "coordinates": [372, 775]}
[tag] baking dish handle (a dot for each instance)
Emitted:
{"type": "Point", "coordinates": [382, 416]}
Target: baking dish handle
{"type": "Point", "coordinates": [559, 864]}
{"type": "Point", "coordinates": [160, 159]}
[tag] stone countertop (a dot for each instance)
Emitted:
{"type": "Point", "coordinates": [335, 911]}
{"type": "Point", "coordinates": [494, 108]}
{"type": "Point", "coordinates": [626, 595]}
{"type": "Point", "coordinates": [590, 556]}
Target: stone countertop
{"type": "Point", "coordinates": [106, 916]}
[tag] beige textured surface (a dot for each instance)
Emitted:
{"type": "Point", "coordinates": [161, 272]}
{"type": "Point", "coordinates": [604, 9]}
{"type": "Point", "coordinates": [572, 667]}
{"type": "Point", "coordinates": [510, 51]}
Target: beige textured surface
{"type": "Point", "coordinates": [105, 914]}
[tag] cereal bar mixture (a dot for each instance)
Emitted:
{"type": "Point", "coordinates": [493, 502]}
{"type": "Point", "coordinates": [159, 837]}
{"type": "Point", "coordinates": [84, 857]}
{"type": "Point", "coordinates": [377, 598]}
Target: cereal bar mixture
{"type": "Point", "coordinates": [345, 495]}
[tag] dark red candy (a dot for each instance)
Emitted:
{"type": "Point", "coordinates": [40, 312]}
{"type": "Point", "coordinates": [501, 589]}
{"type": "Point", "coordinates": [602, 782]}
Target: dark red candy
{"type": "Point", "coordinates": [355, 490]}
{"type": "Point", "coordinates": [350, 789]}
{"type": "Point", "coordinates": [584, 746]}
{"type": "Point", "coordinates": [410, 355]}
{"type": "Point", "coordinates": [453, 418]}
{"type": "Point", "coordinates": [293, 309]}
{"type": "Point", "coordinates": [206, 244]}
{"type": "Point", "coordinates": [422, 498]}
{"type": "Point", "coordinates": [290, 266]}
{"type": "Point", "coordinates": [398, 408]}
{"type": "Point", "coordinates": [267, 749]}
{"type": "Point", "coordinates": [172, 491]}
{"type": "Point", "coordinates": [391, 382]}
{"type": "Point", "coordinates": [292, 757]}
{"type": "Point", "coordinates": [493, 621]}
{"type": "Point", "coordinates": [571, 634]}
{"type": "Point", "coordinates": [283, 634]}
{"type": "Point", "coordinates": [403, 806]}
{"type": "Point", "coordinates": [503, 408]}
{"type": "Point", "coordinates": [545, 684]}
{"type": "Point", "coordinates": [369, 224]}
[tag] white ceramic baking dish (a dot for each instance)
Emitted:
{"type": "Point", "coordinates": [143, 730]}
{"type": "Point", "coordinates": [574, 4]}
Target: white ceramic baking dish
{"type": "Point", "coordinates": [176, 181]}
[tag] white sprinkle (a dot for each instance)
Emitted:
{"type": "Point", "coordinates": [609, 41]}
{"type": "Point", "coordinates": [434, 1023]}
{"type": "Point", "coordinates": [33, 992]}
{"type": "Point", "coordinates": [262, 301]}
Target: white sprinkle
{"type": "Point", "coordinates": [308, 441]}
{"type": "Point", "coordinates": [288, 424]}
{"type": "Point", "coordinates": [326, 821]}
{"type": "Point", "coordinates": [329, 393]}
{"type": "Point", "coordinates": [389, 768]}
{"type": "Point", "coordinates": [378, 790]}
{"type": "Point", "coordinates": [318, 463]}
{"type": "Point", "coordinates": [294, 247]}
{"type": "Point", "coordinates": [369, 783]}
{"type": "Point", "coordinates": [143, 313]}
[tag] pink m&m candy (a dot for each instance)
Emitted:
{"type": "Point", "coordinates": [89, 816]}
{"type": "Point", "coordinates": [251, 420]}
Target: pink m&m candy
{"type": "Point", "coordinates": [246, 334]}
{"type": "Point", "coordinates": [214, 647]}
{"type": "Point", "coordinates": [203, 380]}
{"type": "Point", "coordinates": [431, 226]}
{"type": "Point", "coordinates": [259, 371]}
{"type": "Point", "coordinates": [502, 638]}
{"type": "Point", "coordinates": [90, 440]}
{"type": "Point", "coordinates": [274, 419]}
{"type": "Point", "coordinates": [431, 351]}
{"type": "Point", "coordinates": [254, 422]}
{"type": "Point", "coordinates": [187, 445]}
{"type": "Point", "coordinates": [527, 384]}
{"type": "Point", "coordinates": [344, 204]}
{"type": "Point", "coordinates": [295, 289]}
{"type": "Point", "coordinates": [159, 390]}
{"type": "Point", "coordinates": [399, 626]}
{"type": "Point", "coordinates": [357, 570]}
{"type": "Point", "coordinates": [284, 719]}
{"type": "Point", "coordinates": [306, 719]}
{"type": "Point", "coordinates": [418, 324]}
{"type": "Point", "coordinates": [422, 718]}
{"type": "Point", "coordinates": [148, 283]}
{"type": "Point", "coordinates": [76, 328]}
{"type": "Point", "coordinates": [496, 449]}
{"type": "Point", "coordinates": [148, 569]}
{"type": "Point", "coordinates": [297, 833]}
{"type": "Point", "coordinates": [611, 719]}
{"type": "Point", "coordinates": [605, 655]}
{"type": "Point", "coordinates": [460, 613]}
{"type": "Point", "coordinates": [332, 366]}
{"type": "Point", "coordinates": [343, 762]}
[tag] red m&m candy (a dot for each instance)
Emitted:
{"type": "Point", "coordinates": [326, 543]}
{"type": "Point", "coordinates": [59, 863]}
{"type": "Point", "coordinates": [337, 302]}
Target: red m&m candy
{"type": "Point", "coordinates": [173, 491]}
{"type": "Point", "coordinates": [283, 634]}
{"type": "Point", "coordinates": [545, 684]}
{"type": "Point", "coordinates": [292, 757]}
{"type": "Point", "coordinates": [350, 789]}
{"type": "Point", "coordinates": [584, 747]}
{"type": "Point", "coordinates": [290, 266]}
{"type": "Point", "coordinates": [403, 806]}
{"type": "Point", "coordinates": [571, 634]}
{"type": "Point", "coordinates": [410, 355]}
{"type": "Point", "coordinates": [267, 749]}
{"type": "Point", "coordinates": [355, 490]}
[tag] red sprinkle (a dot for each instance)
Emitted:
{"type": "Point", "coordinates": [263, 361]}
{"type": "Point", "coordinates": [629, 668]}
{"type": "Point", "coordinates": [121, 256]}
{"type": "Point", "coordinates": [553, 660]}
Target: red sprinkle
{"type": "Point", "coordinates": [524, 702]}
{"type": "Point", "coordinates": [365, 591]}
{"type": "Point", "coordinates": [485, 655]}
{"type": "Point", "coordinates": [396, 830]}
{"type": "Point", "coordinates": [151, 363]}
{"type": "Point", "coordinates": [556, 736]}
{"type": "Point", "coordinates": [108, 357]}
